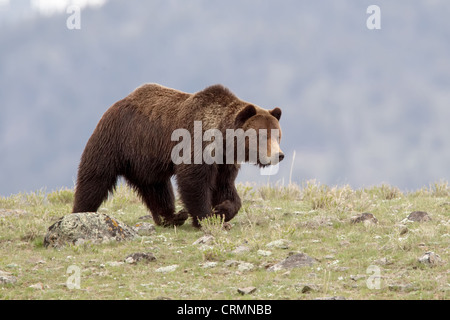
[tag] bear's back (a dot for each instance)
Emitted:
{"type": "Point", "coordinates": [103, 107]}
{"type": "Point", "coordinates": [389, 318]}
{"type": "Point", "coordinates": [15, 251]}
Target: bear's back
{"type": "Point", "coordinates": [153, 95]}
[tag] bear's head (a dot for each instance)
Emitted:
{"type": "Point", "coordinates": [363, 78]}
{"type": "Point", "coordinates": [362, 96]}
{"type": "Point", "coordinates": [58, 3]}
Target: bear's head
{"type": "Point", "coordinates": [265, 124]}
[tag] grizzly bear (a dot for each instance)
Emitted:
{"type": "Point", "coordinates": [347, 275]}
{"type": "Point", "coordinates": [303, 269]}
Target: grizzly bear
{"type": "Point", "coordinates": [134, 139]}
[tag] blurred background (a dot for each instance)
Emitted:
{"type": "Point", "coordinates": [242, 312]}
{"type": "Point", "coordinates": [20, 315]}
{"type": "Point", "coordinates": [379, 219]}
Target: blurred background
{"type": "Point", "coordinates": [360, 107]}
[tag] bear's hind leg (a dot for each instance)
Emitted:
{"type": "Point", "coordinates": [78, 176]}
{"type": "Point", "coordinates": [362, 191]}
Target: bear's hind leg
{"type": "Point", "coordinates": [90, 192]}
{"type": "Point", "coordinates": [160, 200]}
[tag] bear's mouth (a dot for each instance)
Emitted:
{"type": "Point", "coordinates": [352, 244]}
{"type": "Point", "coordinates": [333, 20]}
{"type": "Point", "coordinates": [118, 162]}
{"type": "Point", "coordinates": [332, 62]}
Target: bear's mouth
{"type": "Point", "coordinates": [265, 165]}
{"type": "Point", "coordinates": [272, 161]}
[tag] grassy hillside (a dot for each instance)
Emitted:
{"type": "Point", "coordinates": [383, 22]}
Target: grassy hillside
{"type": "Point", "coordinates": [313, 219]}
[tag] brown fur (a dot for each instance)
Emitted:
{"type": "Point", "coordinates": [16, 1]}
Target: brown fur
{"type": "Point", "coordinates": [133, 140]}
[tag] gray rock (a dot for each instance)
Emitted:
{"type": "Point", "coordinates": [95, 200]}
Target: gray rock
{"type": "Point", "coordinates": [163, 298]}
{"type": "Point", "coordinates": [167, 269]}
{"type": "Point", "coordinates": [37, 286]}
{"type": "Point", "coordinates": [402, 287]}
{"type": "Point", "coordinates": [357, 277]}
{"type": "Point", "coordinates": [114, 263]}
{"type": "Point", "coordinates": [307, 288]}
{"type": "Point", "coordinates": [331, 298]}
{"type": "Point", "coordinates": [209, 265]}
{"type": "Point", "coordinates": [140, 256]}
{"type": "Point", "coordinates": [294, 261]}
{"type": "Point", "coordinates": [383, 261]}
{"type": "Point", "coordinates": [248, 290]}
{"type": "Point", "coordinates": [365, 218]}
{"type": "Point", "coordinates": [264, 253]}
{"type": "Point", "coordinates": [341, 269]}
{"type": "Point", "coordinates": [7, 278]}
{"type": "Point", "coordinates": [280, 244]}
{"type": "Point", "coordinates": [419, 216]}
{"type": "Point", "coordinates": [78, 228]}
{"type": "Point", "coordinates": [144, 228]}
{"type": "Point", "coordinates": [430, 258]}
{"type": "Point", "coordinates": [245, 266]}
{"type": "Point", "coordinates": [231, 263]}
{"type": "Point", "coordinates": [240, 250]}
{"type": "Point", "coordinates": [204, 240]}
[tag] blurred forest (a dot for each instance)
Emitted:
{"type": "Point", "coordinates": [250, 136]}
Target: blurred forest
{"type": "Point", "coordinates": [360, 107]}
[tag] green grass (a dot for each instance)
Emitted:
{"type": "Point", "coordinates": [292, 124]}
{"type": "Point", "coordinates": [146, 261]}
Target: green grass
{"type": "Point", "coordinates": [313, 218]}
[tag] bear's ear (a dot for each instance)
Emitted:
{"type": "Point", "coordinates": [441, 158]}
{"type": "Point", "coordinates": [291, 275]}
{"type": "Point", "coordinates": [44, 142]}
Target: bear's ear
{"type": "Point", "coordinates": [245, 114]}
{"type": "Point", "coordinates": [276, 113]}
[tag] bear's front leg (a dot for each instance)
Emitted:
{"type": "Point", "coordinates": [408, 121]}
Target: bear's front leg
{"type": "Point", "coordinates": [226, 200]}
{"type": "Point", "coordinates": [228, 209]}
{"type": "Point", "coordinates": [195, 185]}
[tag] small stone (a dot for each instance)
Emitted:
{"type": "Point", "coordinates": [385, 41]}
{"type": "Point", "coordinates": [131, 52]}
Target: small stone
{"type": "Point", "coordinates": [307, 288]}
{"type": "Point", "coordinates": [114, 263]}
{"type": "Point", "coordinates": [139, 256]}
{"type": "Point", "coordinates": [383, 261]}
{"type": "Point", "coordinates": [7, 278]}
{"type": "Point", "coordinates": [402, 288]}
{"type": "Point", "coordinates": [167, 269]}
{"type": "Point", "coordinates": [280, 244]}
{"type": "Point", "coordinates": [365, 217]}
{"type": "Point", "coordinates": [240, 250]}
{"type": "Point", "coordinates": [37, 286]}
{"type": "Point", "coordinates": [331, 298]}
{"type": "Point", "coordinates": [357, 277]}
{"type": "Point", "coordinates": [341, 269]}
{"type": "Point", "coordinates": [209, 264]}
{"type": "Point", "coordinates": [231, 263]}
{"type": "Point", "coordinates": [163, 298]}
{"type": "Point", "coordinates": [419, 216]}
{"type": "Point", "coordinates": [144, 228]}
{"type": "Point", "coordinates": [248, 290]}
{"type": "Point", "coordinates": [431, 259]}
{"type": "Point", "coordinates": [264, 253]}
{"type": "Point", "coordinates": [294, 261]}
{"type": "Point", "coordinates": [245, 266]}
{"type": "Point", "coordinates": [404, 231]}
{"type": "Point", "coordinates": [204, 240]}
{"type": "Point", "coordinates": [204, 247]}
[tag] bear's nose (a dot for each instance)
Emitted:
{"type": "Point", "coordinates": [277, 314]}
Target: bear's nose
{"type": "Point", "coordinates": [281, 156]}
